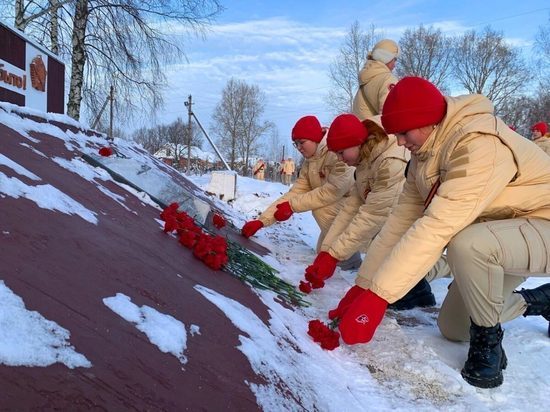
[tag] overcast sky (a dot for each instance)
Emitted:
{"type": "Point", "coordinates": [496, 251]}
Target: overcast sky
{"type": "Point", "coordinates": [286, 47]}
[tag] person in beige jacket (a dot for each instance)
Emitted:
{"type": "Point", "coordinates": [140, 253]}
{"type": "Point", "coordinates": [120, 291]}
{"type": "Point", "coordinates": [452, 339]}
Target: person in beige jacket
{"type": "Point", "coordinates": [288, 169]}
{"type": "Point", "coordinates": [320, 187]}
{"type": "Point", "coordinates": [376, 79]}
{"type": "Point", "coordinates": [379, 178]}
{"type": "Point", "coordinates": [541, 137]}
{"type": "Point", "coordinates": [480, 189]}
{"type": "Point", "coordinates": [258, 171]}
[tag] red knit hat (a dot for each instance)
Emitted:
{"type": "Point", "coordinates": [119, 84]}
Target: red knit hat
{"type": "Point", "coordinates": [309, 128]}
{"type": "Point", "coordinates": [412, 103]}
{"type": "Point", "coordinates": [346, 131]}
{"type": "Point", "coordinates": [541, 127]}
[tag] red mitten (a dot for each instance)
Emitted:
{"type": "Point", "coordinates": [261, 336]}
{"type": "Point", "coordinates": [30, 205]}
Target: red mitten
{"type": "Point", "coordinates": [345, 302]}
{"type": "Point", "coordinates": [283, 212]}
{"type": "Point", "coordinates": [250, 228]}
{"type": "Point", "coordinates": [325, 265]}
{"type": "Point", "coordinates": [362, 318]}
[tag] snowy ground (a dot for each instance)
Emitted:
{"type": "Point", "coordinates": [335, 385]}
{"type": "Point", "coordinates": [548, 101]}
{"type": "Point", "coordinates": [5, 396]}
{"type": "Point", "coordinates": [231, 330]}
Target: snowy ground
{"type": "Point", "coordinates": [407, 366]}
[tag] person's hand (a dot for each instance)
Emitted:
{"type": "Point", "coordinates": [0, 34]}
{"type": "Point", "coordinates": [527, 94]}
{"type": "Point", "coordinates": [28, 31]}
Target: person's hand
{"type": "Point", "coordinates": [345, 302]}
{"type": "Point", "coordinates": [283, 212]}
{"type": "Point", "coordinates": [322, 268]}
{"type": "Point", "coordinates": [250, 228]}
{"type": "Point", "coordinates": [362, 318]}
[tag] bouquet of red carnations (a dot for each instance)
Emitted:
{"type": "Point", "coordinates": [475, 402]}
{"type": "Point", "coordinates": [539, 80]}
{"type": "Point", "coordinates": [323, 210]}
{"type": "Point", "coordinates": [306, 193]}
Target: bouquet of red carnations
{"type": "Point", "coordinates": [219, 253]}
{"type": "Point", "coordinates": [323, 334]}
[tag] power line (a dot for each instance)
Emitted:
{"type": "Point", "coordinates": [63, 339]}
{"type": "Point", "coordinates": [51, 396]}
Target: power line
{"type": "Point", "coordinates": [512, 16]}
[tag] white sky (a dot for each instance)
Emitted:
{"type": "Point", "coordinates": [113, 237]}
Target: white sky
{"type": "Point", "coordinates": [404, 368]}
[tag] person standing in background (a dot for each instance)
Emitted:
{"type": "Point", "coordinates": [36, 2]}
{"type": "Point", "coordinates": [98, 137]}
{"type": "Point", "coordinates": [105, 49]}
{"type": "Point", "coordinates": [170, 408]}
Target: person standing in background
{"type": "Point", "coordinates": [376, 79]}
{"type": "Point", "coordinates": [541, 136]}
{"type": "Point", "coordinates": [259, 170]}
{"type": "Point", "coordinates": [288, 170]}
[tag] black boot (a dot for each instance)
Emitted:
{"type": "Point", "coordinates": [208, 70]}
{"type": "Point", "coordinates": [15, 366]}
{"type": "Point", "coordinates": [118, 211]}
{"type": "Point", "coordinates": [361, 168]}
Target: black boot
{"type": "Point", "coordinates": [486, 357]}
{"type": "Point", "coordinates": [352, 263]}
{"type": "Point", "coordinates": [538, 302]}
{"type": "Point", "coordinates": [419, 296]}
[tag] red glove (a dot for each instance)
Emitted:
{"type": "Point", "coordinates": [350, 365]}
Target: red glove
{"type": "Point", "coordinates": [322, 268]}
{"type": "Point", "coordinates": [362, 318]}
{"type": "Point", "coordinates": [345, 302]}
{"type": "Point", "coordinates": [250, 228]}
{"type": "Point", "coordinates": [283, 212]}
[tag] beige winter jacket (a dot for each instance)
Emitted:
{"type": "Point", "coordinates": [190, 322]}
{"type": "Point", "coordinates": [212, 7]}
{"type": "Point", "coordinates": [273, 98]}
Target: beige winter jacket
{"type": "Point", "coordinates": [289, 167]}
{"type": "Point", "coordinates": [378, 183]}
{"type": "Point", "coordinates": [320, 187]}
{"type": "Point", "coordinates": [487, 172]}
{"type": "Point", "coordinates": [375, 80]}
{"type": "Point", "coordinates": [544, 143]}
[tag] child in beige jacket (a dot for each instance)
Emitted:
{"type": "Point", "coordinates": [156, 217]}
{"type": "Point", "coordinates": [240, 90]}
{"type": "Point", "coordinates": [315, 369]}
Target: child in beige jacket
{"type": "Point", "coordinates": [320, 187]}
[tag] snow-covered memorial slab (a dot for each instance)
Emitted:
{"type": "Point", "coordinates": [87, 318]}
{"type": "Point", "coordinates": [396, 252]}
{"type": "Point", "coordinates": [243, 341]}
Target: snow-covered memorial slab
{"type": "Point", "coordinates": [101, 307]}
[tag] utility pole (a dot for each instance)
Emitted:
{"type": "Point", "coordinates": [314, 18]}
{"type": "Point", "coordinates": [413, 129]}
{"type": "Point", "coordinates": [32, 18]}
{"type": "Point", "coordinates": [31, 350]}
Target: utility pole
{"type": "Point", "coordinates": [189, 104]}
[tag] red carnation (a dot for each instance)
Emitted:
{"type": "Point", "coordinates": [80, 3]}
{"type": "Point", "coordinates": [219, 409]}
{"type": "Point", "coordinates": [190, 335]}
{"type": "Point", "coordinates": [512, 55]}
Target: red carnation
{"type": "Point", "coordinates": [169, 210]}
{"type": "Point", "coordinates": [106, 151]}
{"type": "Point", "coordinates": [305, 287]}
{"type": "Point", "coordinates": [170, 224]}
{"type": "Point", "coordinates": [313, 278]}
{"type": "Point", "coordinates": [328, 338]}
{"type": "Point", "coordinates": [218, 244]}
{"type": "Point", "coordinates": [188, 238]}
{"type": "Point", "coordinates": [203, 247]}
{"type": "Point", "coordinates": [215, 261]}
{"type": "Point", "coordinates": [218, 221]}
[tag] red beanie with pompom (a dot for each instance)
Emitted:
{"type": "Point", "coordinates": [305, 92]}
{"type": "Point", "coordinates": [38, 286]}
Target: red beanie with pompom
{"type": "Point", "coordinates": [412, 103]}
{"type": "Point", "coordinates": [541, 127]}
{"type": "Point", "coordinates": [309, 128]}
{"type": "Point", "coordinates": [346, 131]}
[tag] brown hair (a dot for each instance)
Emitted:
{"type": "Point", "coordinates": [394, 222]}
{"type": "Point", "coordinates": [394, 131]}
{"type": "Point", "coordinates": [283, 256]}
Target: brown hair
{"type": "Point", "coordinates": [375, 137]}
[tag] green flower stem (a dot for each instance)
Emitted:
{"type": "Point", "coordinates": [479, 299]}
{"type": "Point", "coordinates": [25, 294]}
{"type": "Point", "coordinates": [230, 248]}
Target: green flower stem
{"type": "Point", "coordinates": [250, 269]}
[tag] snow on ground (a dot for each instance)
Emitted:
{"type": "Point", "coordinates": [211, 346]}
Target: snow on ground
{"type": "Point", "coordinates": [407, 366]}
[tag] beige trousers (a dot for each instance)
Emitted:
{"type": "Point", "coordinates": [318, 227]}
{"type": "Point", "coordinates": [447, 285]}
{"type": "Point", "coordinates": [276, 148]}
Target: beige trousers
{"type": "Point", "coordinates": [489, 261]}
{"type": "Point", "coordinates": [441, 269]}
{"type": "Point", "coordinates": [287, 179]}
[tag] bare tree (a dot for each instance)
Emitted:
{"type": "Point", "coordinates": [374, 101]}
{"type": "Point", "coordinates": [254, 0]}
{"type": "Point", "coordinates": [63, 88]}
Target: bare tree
{"type": "Point", "coordinates": [427, 53]}
{"type": "Point", "coordinates": [517, 112]}
{"type": "Point", "coordinates": [272, 148]}
{"type": "Point", "coordinates": [346, 66]}
{"type": "Point", "coordinates": [483, 63]}
{"type": "Point", "coordinates": [541, 51]}
{"type": "Point", "coordinates": [238, 120]}
{"type": "Point", "coordinates": [150, 139]}
{"type": "Point", "coordinates": [115, 42]}
{"type": "Point", "coordinates": [26, 12]}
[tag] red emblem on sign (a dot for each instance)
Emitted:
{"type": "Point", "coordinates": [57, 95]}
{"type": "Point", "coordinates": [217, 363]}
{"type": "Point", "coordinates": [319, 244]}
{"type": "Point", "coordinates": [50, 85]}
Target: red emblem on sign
{"type": "Point", "coordinates": [38, 74]}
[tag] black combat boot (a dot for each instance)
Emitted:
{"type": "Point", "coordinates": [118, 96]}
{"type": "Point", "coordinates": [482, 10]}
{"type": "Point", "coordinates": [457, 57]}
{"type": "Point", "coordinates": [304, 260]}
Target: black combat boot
{"type": "Point", "coordinates": [486, 357]}
{"type": "Point", "coordinates": [419, 296]}
{"type": "Point", "coordinates": [538, 302]}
